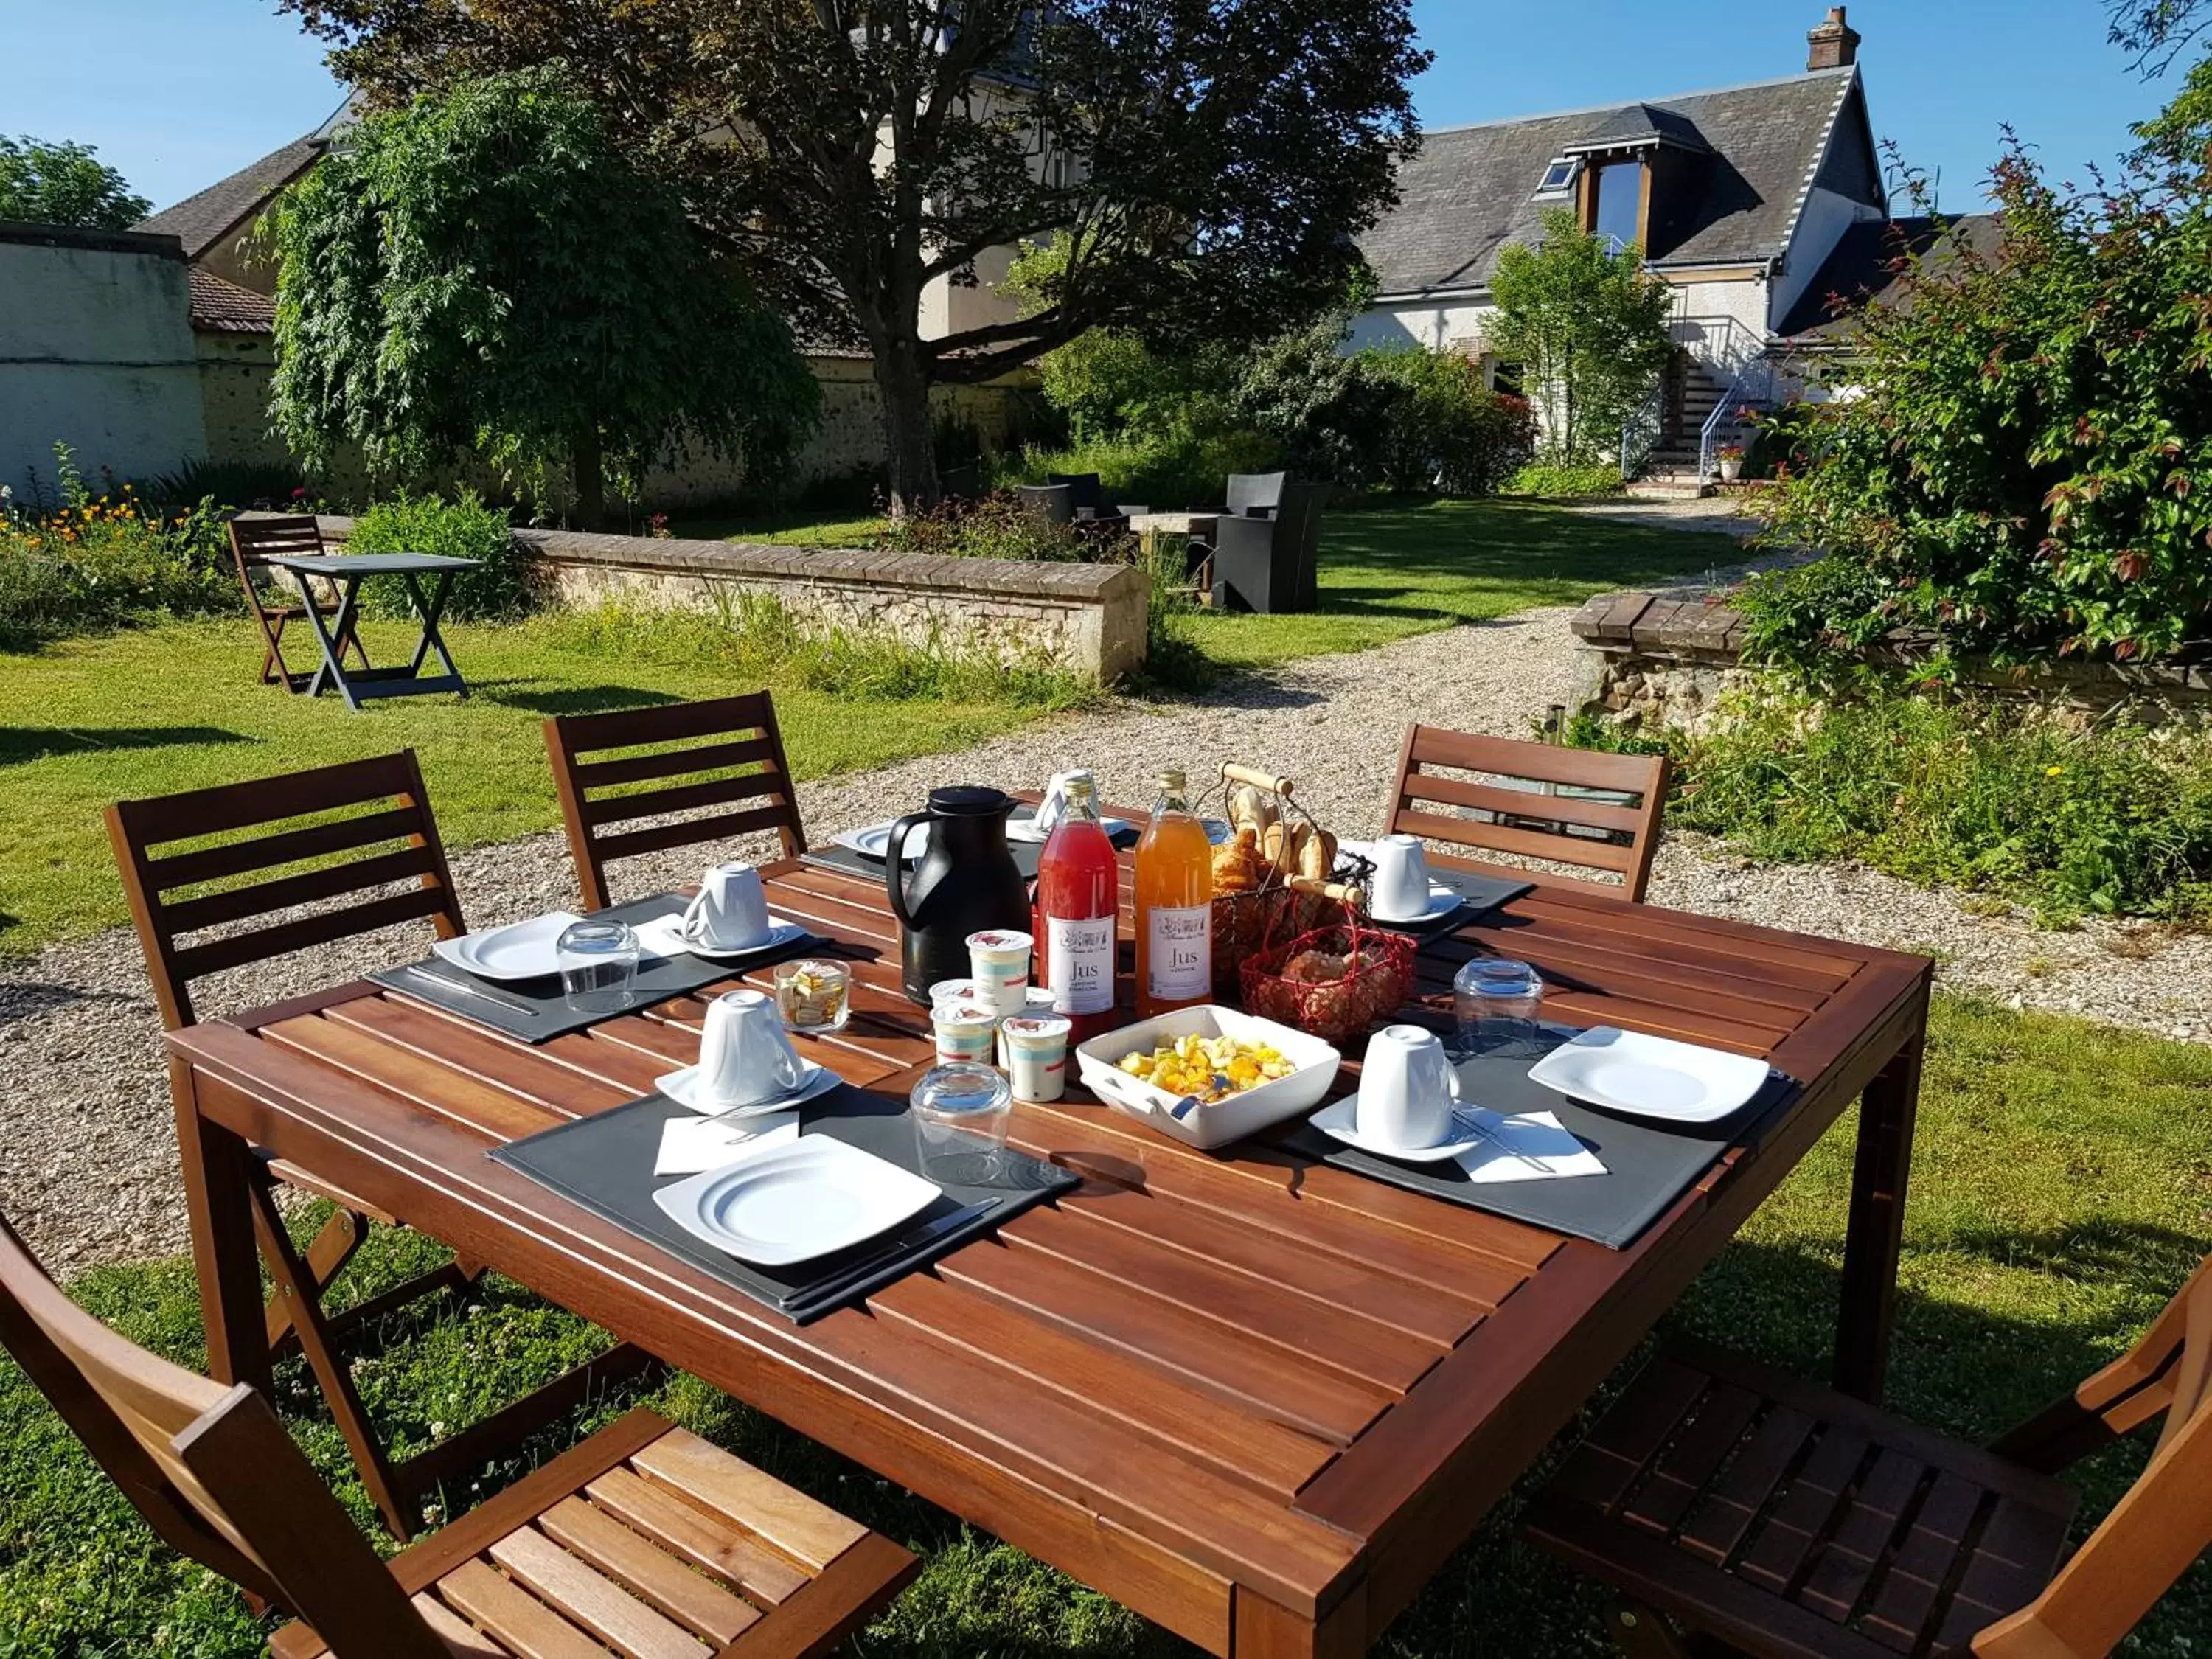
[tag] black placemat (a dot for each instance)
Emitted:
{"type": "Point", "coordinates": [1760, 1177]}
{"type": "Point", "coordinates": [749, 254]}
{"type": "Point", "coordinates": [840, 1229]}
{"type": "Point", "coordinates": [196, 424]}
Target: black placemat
{"type": "Point", "coordinates": [1648, 1164]}
{"type": "Point", "coordinates": [1026, 854]}
{"type": "Point", "coordinates": [548, 1014]}
{"type": "Point", "coordinates": [604, 1163]}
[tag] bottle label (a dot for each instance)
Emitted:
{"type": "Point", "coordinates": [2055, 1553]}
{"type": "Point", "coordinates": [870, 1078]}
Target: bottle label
{"type": "Point", "coordinates": [1082, 963]}
{"type": "Point", "coordinates": [1180, 961]}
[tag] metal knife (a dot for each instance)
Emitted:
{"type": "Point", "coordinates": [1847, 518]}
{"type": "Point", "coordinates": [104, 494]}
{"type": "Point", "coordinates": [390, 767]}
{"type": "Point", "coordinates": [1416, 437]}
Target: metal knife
{"type": "Point", "coordinates": [906, 1241]}
{"type": "Point", "coordinates": [467, 989]}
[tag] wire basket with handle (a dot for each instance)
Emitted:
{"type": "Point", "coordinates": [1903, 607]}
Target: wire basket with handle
{"type": "Point", "coordinates": [1276, 905]}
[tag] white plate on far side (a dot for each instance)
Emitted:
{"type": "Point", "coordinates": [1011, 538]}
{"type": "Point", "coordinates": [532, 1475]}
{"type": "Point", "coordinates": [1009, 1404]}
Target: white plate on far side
{"type": "Point", "coordinates": [664, 936]}
{"type": "Point", "coordinates": [875, 842]}
{"type": "Point", "coordinates": [793, 1203]}
{"type": "Point", "coordinates": [1654, 1076]}
{"type": "Point", "coordinates": [683, 1088]}
{"type": "Point", "coordinates": [526, 951]}
{"type": "Point", "coordinates": [1025, 829]}
{"type": "Point", "coordinates": [1341, 1122]}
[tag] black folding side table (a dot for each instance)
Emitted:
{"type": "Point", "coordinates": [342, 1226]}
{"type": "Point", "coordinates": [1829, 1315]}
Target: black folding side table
{"type": "Point", "coordinates": [348, 571]}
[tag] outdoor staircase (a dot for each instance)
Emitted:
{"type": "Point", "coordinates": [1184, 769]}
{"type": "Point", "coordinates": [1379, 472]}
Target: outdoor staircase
{"type": "Point", "coordinates": [1670, 473]}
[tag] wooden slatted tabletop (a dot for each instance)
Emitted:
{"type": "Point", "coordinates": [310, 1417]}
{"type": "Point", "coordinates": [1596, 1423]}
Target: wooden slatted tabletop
{"type": "Point", "coordinates": [1257, 1400]}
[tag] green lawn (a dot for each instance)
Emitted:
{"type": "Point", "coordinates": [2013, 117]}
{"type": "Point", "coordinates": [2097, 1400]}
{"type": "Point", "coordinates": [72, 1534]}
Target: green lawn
{"type": "Point", "coordinates": [151, 711]}
{"type": "Point", "coordinates": [2062, 1189]}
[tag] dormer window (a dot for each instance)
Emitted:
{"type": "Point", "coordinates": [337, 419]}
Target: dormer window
{"type": "Point", "coordinates": [1559, 181]}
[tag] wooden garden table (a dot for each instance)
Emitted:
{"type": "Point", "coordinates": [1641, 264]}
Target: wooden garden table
{"type": "Point", "coordinates": [1258, 1400]}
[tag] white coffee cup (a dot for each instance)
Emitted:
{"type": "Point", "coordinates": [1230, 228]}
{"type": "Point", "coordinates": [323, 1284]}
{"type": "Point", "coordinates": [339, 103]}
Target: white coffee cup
{"type": "Point", "coordinates": [730, 912]}
{"type": "Point", "coordinates": [1053, 807]}
{"type": "Point", "coordinates": [1406, 1090]}
{"type": "Point", "coordinates": [1399, 889]}
{"type": "Point", "coordinates": [745, 1054]}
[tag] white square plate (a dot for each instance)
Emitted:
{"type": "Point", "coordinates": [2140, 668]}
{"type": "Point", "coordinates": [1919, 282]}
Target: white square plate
{"type": "Point", "coordinates": [526, 951]}
{"type": "Point", "coordinates": [1650, 1077]}
{"type": "Point", "coordinates": [807, 1198]}
{"type": "Point", "coordinates": [875, 840]}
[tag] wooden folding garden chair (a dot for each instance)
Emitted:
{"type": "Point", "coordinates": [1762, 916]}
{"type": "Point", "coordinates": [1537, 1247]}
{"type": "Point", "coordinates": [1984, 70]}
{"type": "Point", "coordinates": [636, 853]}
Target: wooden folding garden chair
{"type": "Point", "coordinates": [645, 1539]}
{"type": "Point", "coordinates": [359, 835]}
{"type": "Point", "coordinates": [1787, 1520]}
{"type": "Point", "coordinates": [1578, 807]}
{"type": "Point", "coordinates": [680, 765]}
{"type": "Point", "coordinates": [253, 542]}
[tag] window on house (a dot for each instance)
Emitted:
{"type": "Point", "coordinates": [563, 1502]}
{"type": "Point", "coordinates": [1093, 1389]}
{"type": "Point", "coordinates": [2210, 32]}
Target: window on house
{"type": "Point", "coordinates": [1559, 177]}
{"type": "Point", "coordinates": [1619, 201]}
{"type": "Point", "coordinates": [1503, 377]}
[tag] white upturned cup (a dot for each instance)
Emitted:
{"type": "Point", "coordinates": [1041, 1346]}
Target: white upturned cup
{"type": "Point", "coordinates": [1406, 1090]}
{"type": "Point", "coordinates": [1399, 889]}
{"type": "Point", "coordinates": [1036, 1054]}
{"type": "Point", "coordinates": [965, 1031]}
{"type": "Point", "coordinates": [999, 961]}
{"type": "Point", "coordinates": [745, 1054]}
{"type": "Point", "coordinates": [730, 912]}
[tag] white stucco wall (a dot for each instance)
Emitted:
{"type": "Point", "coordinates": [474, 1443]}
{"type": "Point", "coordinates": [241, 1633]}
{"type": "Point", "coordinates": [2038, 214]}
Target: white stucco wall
{"type": "Point", "coordinates": [1826, 216]}
{"type": "Point", "coordinates": [96, 351]}
{"type": "Point", "coordinates": [1432, 325]}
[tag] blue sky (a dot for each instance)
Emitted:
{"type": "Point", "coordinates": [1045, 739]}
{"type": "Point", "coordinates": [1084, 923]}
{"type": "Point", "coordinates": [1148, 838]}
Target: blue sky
{"type": "Point", "coordinates": [178, 93]}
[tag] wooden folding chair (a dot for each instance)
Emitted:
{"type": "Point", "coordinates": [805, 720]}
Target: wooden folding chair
{"type": "Point", "coordinates": [1787, 1520]}
{"type": "Point", "coordinates": [337, 833]}
{"type": "Point", "coordinates": [644, 1540]}
{"type": "Point", "coordinates": [1574, 806]}
{"type": "Point", "coordinates": [253, 543]}
{"type": "Point", "coordinates": [726, 753]}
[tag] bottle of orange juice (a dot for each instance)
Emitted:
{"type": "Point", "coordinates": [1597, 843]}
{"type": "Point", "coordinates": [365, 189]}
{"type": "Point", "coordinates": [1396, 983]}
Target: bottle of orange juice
{"type": "Point", "coordinates": [1175, 905]}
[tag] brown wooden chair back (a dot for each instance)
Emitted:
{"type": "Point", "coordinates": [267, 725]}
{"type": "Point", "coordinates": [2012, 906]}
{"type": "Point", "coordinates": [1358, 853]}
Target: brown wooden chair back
{"type": "Point", "coordinates": [334, 832]}
{"type": "Point", "coordinates": [711, 769]}
{"type": "Point", "coordinates": [210, 1469]}
{"type": "Point", "coordinates": [254, 542]}
{"type": "Point", "coordinates": [1592, 810]}
{"type": "Point", "coordinates": [2164, 1523]}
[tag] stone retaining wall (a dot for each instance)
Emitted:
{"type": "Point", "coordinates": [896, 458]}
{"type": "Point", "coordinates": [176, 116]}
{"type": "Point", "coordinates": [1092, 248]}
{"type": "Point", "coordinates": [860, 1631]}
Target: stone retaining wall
{"type": "Point", "coordinates": [1665, 658]}
{"type": "Point", "coordinates": [1089, 619]}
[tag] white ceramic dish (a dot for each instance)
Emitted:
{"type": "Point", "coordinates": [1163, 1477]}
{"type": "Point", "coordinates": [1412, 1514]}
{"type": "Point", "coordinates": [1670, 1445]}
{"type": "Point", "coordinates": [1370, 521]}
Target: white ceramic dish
{"type": "Point", "coordinates": [524, 951]}
{"type": "Point", "coordinates": [794, 1202]}
{"type": "Point", "coordinates": [1642, 1076]}
{"type": "Point", "coordinates": [683, 1088]}
{"type": "Point", "coordinates": [1180, 1117]}
{"type": "Point", "coordinates": [664, 936]}
{"type": "Point", "coordinates": [1339, 1120]}
{"type": "Point", "coordinates": [875, 840]}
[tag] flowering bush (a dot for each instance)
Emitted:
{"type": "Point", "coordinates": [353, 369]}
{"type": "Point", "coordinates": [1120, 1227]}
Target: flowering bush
{"type": "Point", "coordinates": [74, 563]}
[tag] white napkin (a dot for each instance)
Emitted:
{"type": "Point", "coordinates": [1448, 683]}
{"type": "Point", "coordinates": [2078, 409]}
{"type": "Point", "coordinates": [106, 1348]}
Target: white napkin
{"type": "Point", "coordinates": [690, 1146]}
{"type": "Point", "coordinates": [1532, 1147]}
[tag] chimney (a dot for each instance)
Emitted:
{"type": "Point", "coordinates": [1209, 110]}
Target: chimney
{"type": "Point", "coordinates": [1835, 44]}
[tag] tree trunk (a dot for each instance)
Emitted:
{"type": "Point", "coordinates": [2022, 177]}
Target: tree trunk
{"type": "Point", "coordinates": [909, 456]}
{"type": "Point", "coordinates": [590, 480]}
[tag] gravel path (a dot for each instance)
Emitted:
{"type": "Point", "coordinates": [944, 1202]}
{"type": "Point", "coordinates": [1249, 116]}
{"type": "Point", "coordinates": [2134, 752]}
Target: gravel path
{"type": "Point", "coordinates": [89, 1173]}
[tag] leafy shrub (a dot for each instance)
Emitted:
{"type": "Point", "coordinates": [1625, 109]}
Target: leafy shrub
{"type": "Point", "coordinates": [997, 527]}
{"type": "Point", "coordinates": [1167, 471]}
{"type": "Point", "coordinates": [2021, 473]}
{"type": "Point", "coordinates": [1785, 441]}
{"type": "Point", "coordinates": [77, 562]}
{"type": "Point", "coordinates": [1565, 480]}
{"type": "Point", "coordinates": [1981, 794]}
{"type": "Point", "coordinates": [1444, 429]}
{"type": "Point", "coordinates": [462, 528]}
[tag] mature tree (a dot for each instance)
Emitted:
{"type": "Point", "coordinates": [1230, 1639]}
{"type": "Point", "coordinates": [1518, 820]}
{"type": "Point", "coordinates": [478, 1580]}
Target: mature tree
{"type": "Point", "coordinates": [2157, 31]}
{"type": "Point", "coordinates": [481, 272]}
{"type": "Point", "coordinates": [1209, 160]}
{"type": "Point", "coordinates": [1587, 326]}
{"type": "Point", "coordinates": [64, 184]}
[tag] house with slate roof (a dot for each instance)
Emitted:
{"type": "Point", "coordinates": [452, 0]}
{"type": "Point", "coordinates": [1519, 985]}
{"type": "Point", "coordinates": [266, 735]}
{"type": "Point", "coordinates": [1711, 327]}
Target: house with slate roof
{"type": "Point", "coordinates": [1754, 202]}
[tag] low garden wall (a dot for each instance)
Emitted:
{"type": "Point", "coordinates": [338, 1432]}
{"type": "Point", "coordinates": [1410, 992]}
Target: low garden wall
{"type": "Point", "coordinates": [1089, 619]}
{"type": "Point", "coordinates": [1664, 660]}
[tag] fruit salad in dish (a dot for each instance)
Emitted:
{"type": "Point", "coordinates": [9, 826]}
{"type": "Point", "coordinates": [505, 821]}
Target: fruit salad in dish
{"type": "Point", "coordinates": [1208, 1068]}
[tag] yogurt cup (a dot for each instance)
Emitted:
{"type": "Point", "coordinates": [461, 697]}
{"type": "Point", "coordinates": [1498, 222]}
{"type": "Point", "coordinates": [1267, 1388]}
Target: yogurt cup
{"type": "Point", "coordinates": [1036, 1002]}
{"type": "Point", "coordinates": [964, 1032]}
{"type": "Point", "coordinates": [1036, 1052]}
{"type": "Point", "coordinates": [999, 960]}
{"type": "Point", "coordinates": [956, 990]}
